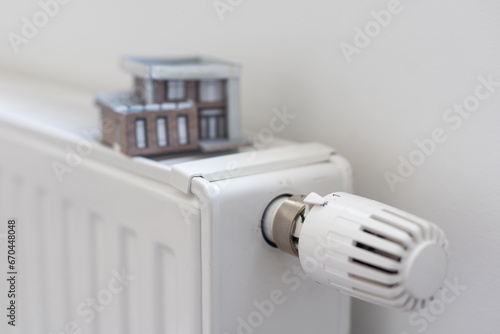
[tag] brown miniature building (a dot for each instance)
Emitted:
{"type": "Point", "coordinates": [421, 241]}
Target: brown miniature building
{"type": "Point", "coordinates": [176, 105]}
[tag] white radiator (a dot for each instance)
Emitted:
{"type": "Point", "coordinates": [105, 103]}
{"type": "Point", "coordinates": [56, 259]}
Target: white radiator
{"type": "Point", "coordinates": [110, 244]}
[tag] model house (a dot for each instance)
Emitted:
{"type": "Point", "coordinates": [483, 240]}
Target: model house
{"type": "Point", "coordinates": [176, 105]}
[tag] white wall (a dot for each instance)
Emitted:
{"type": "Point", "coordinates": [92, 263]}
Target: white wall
{"type": "Point", "coordinates": [395, 91]}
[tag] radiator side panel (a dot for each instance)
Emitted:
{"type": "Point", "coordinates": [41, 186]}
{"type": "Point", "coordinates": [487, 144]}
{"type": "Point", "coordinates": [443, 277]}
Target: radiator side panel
{"type": "Point", "coordinates": [250, 286]}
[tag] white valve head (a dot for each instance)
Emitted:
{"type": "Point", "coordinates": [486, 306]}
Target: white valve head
{"type": "Point", "coordinates": [373, 251]}
{"type": "Point", "coordinates": [364, 248]}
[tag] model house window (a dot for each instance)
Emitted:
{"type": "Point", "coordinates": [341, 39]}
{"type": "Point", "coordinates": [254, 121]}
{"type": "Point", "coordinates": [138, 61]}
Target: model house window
{"type": "Point", "coordinates": [212, 124]}
{"type": "Point", "coordinates": [175, 90]}
{"type": "Point", "coordinates": [182, 130]}
{"type": "Point", "coordinates": [161, 131]}
{"type": "Point", "coordinates": [118, 133]}
{"type": "Point", "coordinates": [210, 91]}
{"type": "Point", "coordinates": [140, 133]}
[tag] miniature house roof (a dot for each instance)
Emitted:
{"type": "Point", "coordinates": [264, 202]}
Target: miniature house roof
{"type": "Point", "coordinates": [180, 68]}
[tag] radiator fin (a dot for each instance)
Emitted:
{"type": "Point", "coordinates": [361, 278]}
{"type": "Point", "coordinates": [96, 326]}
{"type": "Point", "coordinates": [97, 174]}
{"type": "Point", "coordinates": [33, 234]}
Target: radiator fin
{"type": "Point", "coordinates": [53, 236]}
{"type": "Point", "coordinates": [166, 315]}
{"type": "Point", "coordinates": [131, 306]}
{"type": "Point", "coordinates": [109, 291]}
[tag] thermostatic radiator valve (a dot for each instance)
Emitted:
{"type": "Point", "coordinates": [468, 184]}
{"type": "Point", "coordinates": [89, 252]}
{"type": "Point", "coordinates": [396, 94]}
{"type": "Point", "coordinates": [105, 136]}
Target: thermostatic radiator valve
{"type": "Point", "coordinates": [364, 248]}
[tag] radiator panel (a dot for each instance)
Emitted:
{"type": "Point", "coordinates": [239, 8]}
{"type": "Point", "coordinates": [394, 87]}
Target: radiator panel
{"type": "Point", "coordinates": [112, 216]}
{"type": "Point", "coordinates": [78, 236]}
